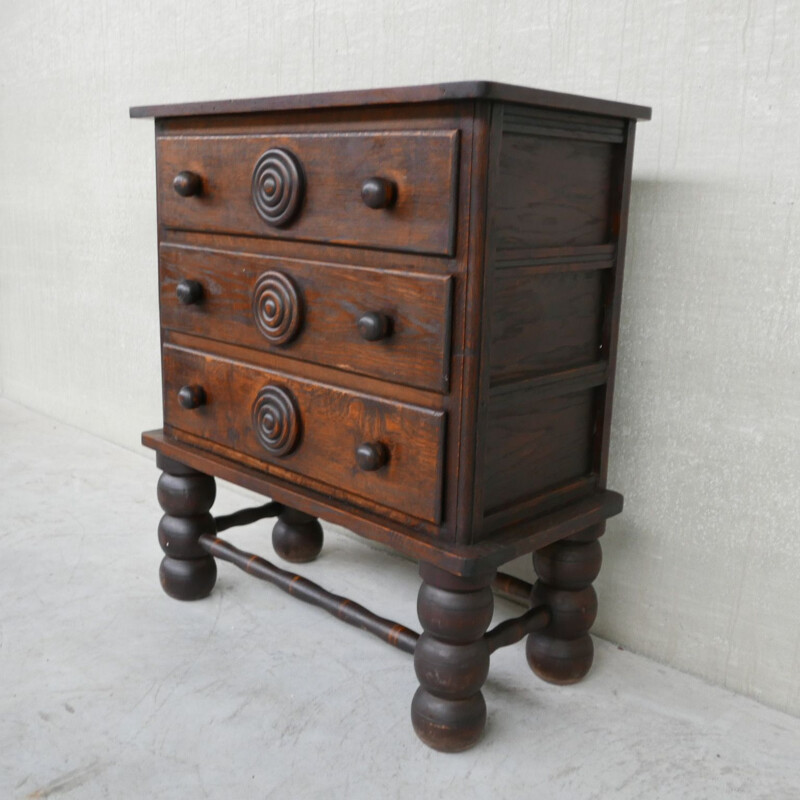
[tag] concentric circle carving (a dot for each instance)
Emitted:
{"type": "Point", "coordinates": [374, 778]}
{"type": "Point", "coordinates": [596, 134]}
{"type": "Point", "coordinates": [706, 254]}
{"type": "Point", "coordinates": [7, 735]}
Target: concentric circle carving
{"type": "Point", "coordinates": [277, 186]}
{"type": "Point", "coordinates": [276, 420]}
{"type": "Point", "coordinates": [277, 307]}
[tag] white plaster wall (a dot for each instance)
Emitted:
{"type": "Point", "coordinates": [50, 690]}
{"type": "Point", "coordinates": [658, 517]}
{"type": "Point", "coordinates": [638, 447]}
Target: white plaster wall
{"type": "Point", "coordinates": [701, 570]}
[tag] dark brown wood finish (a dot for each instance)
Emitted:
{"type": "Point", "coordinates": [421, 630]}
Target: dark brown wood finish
{"type": "Point", "coordinates": [451, 659]}
{"type": "Point", "coordinates": [397, 310]}
{"type": "Point", "coordinates": [399, 119]}
{"type": "Point", "coordinates": [186, 496]}
{"type": "Point", "coordinates": [309, 592]}
{"type": "Point", "coordinates": [558, 185]}
{"type": "Point", "coordinates": [563, 651]}
{"type": "Point", "coordinates": [315, 312]}
{"type": "Point", "coordinates": [431, 93]}
{"type": "Point", "coordinates": [298, 427]}
{"type": "Point", "coordinates": [297, 537]}
{"type": "Point", "coordinates": [412, 541]}
{"type": "Point", "coordinates": [316, 188]}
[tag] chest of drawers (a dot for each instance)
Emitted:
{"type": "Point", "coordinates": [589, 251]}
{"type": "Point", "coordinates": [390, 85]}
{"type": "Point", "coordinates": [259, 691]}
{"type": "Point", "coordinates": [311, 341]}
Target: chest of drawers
{"type": "Point", "coordinates": [397, 310]}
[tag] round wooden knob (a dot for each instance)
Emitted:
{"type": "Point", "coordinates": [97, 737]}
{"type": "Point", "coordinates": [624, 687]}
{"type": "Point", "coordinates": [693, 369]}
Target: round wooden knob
{"type": "Point", "coordinates": [192, 396]}
{"type": "Point", "coordinates": [373, 326]}
{"type": "Point", "coordinates": [371, 456]}
{"type": "Point", "coordinates": [187, 184]}
{"type": "Point", "coordinates": [189, 292]}
{"type": "Point", "coordinates": [379, 192]}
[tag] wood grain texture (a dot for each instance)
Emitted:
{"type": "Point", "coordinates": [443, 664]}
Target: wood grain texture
{"type": "Point", "coordinates": [525, 121]}
{"type": "Point", "coordinates": [186, 497]}
{"type": "Point", "coordinates": [303, 397]}
{"type": "Point", "coordinates": [451, 661]}
{"type": "Point", "coordinates": [334, 166]}
{"type": "Point", "coordinates": [458, 559]}
{"type": "Point", "coordinates": [397, 119]}
{"type": "Point", "coordinates": [415, 352]}
{"type": "Point", "coordinates": [534, 444]}
{"type": "Point", "coordinates": [462, 90]}
{"type": "Point", "coordinates": [541, 323]}
{"type": "Point", "coordinates": [562, 652]}
{"type": "Point", "coordinates": [612, 301]}
{"type": "Point", "coordinates": [552, 192]}
{"type": "Point", "coordinates": [332, 424]}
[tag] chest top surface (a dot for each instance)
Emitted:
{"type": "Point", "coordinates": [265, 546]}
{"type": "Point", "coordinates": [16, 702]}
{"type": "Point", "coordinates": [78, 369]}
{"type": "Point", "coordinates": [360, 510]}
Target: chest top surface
{"type": "Point", "coordinates": [438, 92]}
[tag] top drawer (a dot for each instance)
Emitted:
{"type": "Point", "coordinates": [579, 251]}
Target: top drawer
{"type": "Point", "coordinates": [393, 191]}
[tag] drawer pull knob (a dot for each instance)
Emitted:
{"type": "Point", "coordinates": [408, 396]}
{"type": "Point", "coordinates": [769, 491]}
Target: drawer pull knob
{"type": "Point", "coordinates": [371, 456]}
{"type": "Point", "coordinates": [192, 396]}
{"type": "Point", "coordinates": [379, 192]}
{"type": "Point", "coordinates": [187, 184]}
{"type": "Point", "coordinates": [276, 420]}
{"type": "Point", "coordinates": [278, 186]}
{"type": "Point", "coordinates": [374, 326]}
{"type": "Point", "coordinates": [277, 307]}
{"type": "Point", "coordinates": [189, 292]}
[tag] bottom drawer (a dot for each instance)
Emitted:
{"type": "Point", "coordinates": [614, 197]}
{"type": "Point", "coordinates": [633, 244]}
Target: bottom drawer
{"type": "Point", "coordinates": [387, 452]}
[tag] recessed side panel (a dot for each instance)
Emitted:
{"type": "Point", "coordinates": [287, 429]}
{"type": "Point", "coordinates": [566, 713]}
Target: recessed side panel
{"type": "Point", "coordinates": [556, 202]}
{"type": "Point", "coordinates": [535, 444]}
{"type": "Point", "coordinates": [544, 322]}
{"type": "Point", "coordinates": [554, 182]}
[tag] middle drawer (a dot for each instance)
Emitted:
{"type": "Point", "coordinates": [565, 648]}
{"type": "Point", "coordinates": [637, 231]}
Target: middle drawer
{"type": "Point", "coordinates": [383, 323]}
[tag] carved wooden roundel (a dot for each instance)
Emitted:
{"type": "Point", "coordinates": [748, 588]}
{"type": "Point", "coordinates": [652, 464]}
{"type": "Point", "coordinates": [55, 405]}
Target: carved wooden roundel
{"type": "Point", "coordinates": [277, 307]}
{"type": "Point", "coordinates": [276, 420]}
{"type": "Point", "coordinates": [278, 186]}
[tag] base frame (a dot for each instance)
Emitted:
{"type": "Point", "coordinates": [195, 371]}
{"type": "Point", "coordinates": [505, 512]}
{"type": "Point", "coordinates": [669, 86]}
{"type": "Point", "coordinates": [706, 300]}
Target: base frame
{"type": "Point", "coordinates": [452, 654]}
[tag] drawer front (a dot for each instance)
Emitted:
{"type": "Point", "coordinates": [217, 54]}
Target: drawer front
{"type": "Point", "coordinates": [387, 452]}
{"type": "Point", "coordinates": [310, 187]}
{"type": "Point", "coordinates": [390, 325]}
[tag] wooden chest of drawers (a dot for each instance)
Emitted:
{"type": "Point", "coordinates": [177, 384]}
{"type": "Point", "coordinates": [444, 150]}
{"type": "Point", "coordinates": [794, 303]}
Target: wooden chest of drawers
{"type": "Point", "coordinates": [397, 310]}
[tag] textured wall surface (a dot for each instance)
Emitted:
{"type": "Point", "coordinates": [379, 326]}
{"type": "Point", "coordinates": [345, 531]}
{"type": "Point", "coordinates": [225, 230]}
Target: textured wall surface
{"type": "Point", "coordinates": [701, 570]}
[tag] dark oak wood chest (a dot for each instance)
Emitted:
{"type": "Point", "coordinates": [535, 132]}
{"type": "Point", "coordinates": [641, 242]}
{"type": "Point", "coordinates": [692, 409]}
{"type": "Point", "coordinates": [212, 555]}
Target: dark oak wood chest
{"type": "Point", "coordinates": [397, 310]}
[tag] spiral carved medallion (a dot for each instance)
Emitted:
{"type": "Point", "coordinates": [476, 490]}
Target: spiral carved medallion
{"type": "Point", "coordinates": [278, 186]}
{"type": "Point", "coordinates": [277, 307]}
{"type": "Point", "coordinates": [276, 420]}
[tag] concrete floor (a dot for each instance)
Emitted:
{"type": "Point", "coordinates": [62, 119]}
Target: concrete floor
{"type": "Point", "coordinates": [112, 690]}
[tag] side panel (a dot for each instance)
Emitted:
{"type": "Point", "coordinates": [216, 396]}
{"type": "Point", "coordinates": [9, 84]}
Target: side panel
{"type": "Point", "coordinates": [558, 201]}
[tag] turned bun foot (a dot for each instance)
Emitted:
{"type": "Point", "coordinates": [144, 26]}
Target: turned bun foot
{"type": "Point", "coordinates": [187, 572]}
{"type": "Point", "coordinates": [562, 652]}
{"type": "Point", "coordinates": [447, 725]}
{"type": "Point", "coordinates": [188, 579]}
{"type": "Point", "coordinates": [451, 659]}
{"type": "Point", "coordinates": [297, 537]}
{"type": "Point", "coordinates": [560, 661]}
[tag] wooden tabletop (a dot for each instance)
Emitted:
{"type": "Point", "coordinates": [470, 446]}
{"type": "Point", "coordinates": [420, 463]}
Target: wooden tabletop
{"type": "Point", "coordinates": [463, 90]}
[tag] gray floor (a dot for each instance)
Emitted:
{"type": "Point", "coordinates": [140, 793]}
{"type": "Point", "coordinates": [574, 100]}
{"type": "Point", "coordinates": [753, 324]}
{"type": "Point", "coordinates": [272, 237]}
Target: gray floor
{"type": "Point", "coordinates": [111, 689]}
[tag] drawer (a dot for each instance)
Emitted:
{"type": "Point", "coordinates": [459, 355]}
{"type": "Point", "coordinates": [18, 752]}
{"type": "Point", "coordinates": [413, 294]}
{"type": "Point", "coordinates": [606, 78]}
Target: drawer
{"type": "Point", "coordinates": [388, 452]}
{"type": "Point", "coordinates": [390, 325]}
{"type": "Point", "coordinates": [315, 187]}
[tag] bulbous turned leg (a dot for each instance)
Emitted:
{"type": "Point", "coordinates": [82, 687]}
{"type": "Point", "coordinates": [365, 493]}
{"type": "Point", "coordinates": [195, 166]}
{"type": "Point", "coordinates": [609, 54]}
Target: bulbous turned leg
{"type": "Point", "coordinates": [563, 651]}
{"type": "Point", "coordinates": [187, 571]}
{"type": "Point", "coordinates": [451, 659]}
{"type": "Point", "coordinates": [297, 537]}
